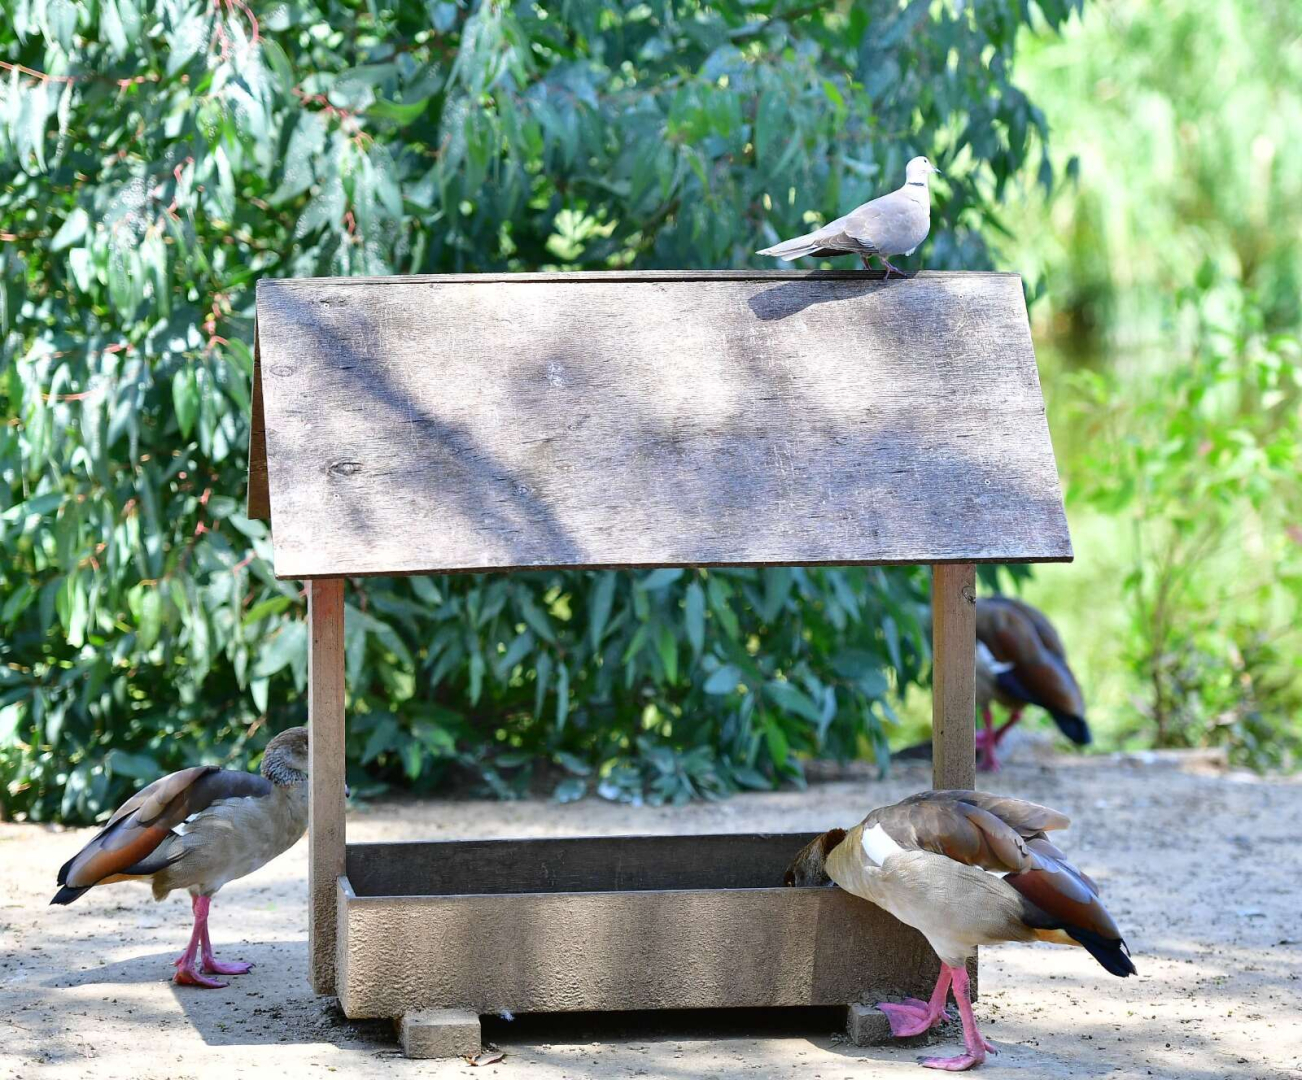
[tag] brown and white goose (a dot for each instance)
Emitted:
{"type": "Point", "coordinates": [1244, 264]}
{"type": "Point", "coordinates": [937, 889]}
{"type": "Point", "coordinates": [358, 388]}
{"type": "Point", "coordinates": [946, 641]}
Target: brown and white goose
{"type": "Point", "coordinates": [198, 829]}
{"type": "Point", "coordinates": [1027, 666]}
{"type": "Point", "coordinates": [965, 868]}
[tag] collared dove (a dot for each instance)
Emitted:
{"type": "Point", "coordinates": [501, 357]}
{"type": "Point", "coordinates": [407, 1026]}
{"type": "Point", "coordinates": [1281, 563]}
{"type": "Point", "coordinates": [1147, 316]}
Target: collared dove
{"type": "Point", "coordinates": [197, 829]}
{"type": "Point", "coordinates": [965, 868]}
{"type": "Point", "coordinates": [895, 224]}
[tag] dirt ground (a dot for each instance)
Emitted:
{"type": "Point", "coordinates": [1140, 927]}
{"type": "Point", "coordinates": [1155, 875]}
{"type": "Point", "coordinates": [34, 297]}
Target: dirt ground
{"type": "Point", "coordinates": [1201, 867]}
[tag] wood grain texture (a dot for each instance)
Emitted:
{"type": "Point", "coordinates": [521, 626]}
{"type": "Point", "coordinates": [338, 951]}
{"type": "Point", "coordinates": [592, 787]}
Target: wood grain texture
{"type": "Point", "coordinates": [644, 949]}
{"type": "Point", "coordinates": [462, 424]}
{"type": "Point", "coordinates": [325, 824]}
{"type": "Point", "coordinates": [953, 681]}
{"type": "Point", "coordinates": [259, 497]}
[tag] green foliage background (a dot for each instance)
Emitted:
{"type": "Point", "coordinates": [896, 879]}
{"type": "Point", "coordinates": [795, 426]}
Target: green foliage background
{"type": "Point", "coordinates": [156, 159]}
{"type": "Point", "coordinates": [1169, 344]}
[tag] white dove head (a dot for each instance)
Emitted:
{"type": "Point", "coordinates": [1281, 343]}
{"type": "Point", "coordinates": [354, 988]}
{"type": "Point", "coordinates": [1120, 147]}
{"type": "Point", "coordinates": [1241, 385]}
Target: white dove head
{"type": "Point", "coordinates": [917, 171]}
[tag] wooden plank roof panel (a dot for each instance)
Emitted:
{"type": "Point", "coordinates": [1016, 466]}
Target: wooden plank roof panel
{"type": "Point", "coordinates": [419, 425]}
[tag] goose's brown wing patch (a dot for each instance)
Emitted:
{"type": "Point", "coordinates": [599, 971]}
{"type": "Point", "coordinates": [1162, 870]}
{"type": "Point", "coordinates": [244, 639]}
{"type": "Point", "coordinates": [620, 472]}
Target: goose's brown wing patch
{"type": "Point", "coordinates": [137, 829]}
{"type": "Point", "coordinates": [956, 824]}
{"type": "Point", "coordinates": [1017, 634]}
{"type": "Point", "coordinates": [1063, 893]}
{"type": "Point", "coordinates": [1038, 622]}
{"type": "Point", "coordinates": [149, 803]}
{"type": "Point", "coordinates": [1027, 818]}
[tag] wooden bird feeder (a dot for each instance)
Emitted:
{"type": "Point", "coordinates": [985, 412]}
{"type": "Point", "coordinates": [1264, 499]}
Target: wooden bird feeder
{"type": "Point", "coordinates": [461, 424]}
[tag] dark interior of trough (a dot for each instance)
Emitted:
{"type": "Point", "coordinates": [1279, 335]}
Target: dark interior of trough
{"type": "Point", "coordinates": [706, 1024]}
{"type": "Point", "coordinates": [584, 864]}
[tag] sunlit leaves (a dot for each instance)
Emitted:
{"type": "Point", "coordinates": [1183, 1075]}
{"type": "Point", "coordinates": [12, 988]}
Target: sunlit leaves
{"type": "Point", "coordinates": [185, 399]}
{"type": "Point", "coordinates": [602, 597]}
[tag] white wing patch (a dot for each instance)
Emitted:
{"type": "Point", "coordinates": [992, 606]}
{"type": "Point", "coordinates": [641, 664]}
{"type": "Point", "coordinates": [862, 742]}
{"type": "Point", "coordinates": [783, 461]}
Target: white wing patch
{"type": "Point", "coordinates": [983, 651]}
{"type": "Point", "coordinates": [217, 812]}
{"type": "Point", "coordinates": [878, 845]}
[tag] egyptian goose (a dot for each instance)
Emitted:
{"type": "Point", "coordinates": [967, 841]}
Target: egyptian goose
{"type": "Point", "coordinates": [1034, 671]}
{"type": "Point", "coordinates": [965, 868]}
{"type": "Point", "coordinates": [197, 829]}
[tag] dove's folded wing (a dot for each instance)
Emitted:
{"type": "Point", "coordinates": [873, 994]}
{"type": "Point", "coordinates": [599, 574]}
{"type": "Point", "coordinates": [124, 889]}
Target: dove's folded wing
{"type": "Point", "coordinates": [837, 238]}
{"type": "Point", "coordinates": [872, 226]}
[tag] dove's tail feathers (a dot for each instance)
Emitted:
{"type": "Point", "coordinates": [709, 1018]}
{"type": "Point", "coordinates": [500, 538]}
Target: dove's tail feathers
{"type": "Point", "coordinates": [797, 248]}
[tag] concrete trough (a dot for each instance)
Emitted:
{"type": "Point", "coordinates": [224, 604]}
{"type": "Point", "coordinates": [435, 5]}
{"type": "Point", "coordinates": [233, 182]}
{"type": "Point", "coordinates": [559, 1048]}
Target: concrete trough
{"type": "Point", "coordinates": [608, 924]}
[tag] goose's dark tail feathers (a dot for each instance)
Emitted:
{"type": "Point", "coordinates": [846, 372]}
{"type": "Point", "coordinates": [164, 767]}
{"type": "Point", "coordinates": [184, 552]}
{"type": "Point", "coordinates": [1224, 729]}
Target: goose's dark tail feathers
{"type": "Point", "coordinates": [1074, 727]}
{"type": "Point", "coordinates": [1110, 952]}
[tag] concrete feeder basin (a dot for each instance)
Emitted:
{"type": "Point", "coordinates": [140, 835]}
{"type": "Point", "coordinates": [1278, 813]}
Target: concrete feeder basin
{"type": "Point", "coordinates": [608, 923]}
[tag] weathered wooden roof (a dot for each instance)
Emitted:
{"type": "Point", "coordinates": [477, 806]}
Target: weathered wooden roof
{"type": "Point", "coordinates": [470, 423]}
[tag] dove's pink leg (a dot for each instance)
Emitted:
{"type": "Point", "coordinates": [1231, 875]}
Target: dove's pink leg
{"type": "Point", "coordinates": [889, 268]}
{"type": "Point", "coordinates": [973, 1041]}
{"type": "Point", "coordinates": [913, 1017]}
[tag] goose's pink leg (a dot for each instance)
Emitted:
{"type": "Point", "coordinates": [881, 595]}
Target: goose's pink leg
{"type": "Point", "coordinates": [975, 1043]}
{"type": "Point", "coordinates": [1012, 719]}
{"type": "Point", "coordinates": [913, 1017]}
{"type": "Point", "coordinates": [187, 968]}
{"type": "Point", "coordinates": [986, 740]}
{"type": "Point", "coordinates": [210, 962]}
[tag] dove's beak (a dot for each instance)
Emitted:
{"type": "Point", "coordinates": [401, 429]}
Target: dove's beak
{"type": "Point", "coordinates": [937, 171]}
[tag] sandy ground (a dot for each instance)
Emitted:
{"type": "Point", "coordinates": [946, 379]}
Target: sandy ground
{"type": "Point", "coordinates": [1202, 869]}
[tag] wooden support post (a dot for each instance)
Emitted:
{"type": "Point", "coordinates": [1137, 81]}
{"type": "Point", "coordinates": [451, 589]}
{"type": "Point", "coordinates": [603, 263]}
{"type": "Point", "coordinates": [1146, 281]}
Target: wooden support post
{"type": "Point", "coordinates": [953, 679]}
{"type": "Point", "coordinates": [325, 821]}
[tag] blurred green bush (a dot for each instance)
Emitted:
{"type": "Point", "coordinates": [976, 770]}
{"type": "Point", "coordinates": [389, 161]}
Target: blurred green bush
{"type": "Point", "coordinates": [1203, 468]}
{"type": "Point", "coordinates": [1168, 340]}
{"type": "Point", "coordinates": [1179, 122]}
{"type": "Point", "coordinates": [156, 159]}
